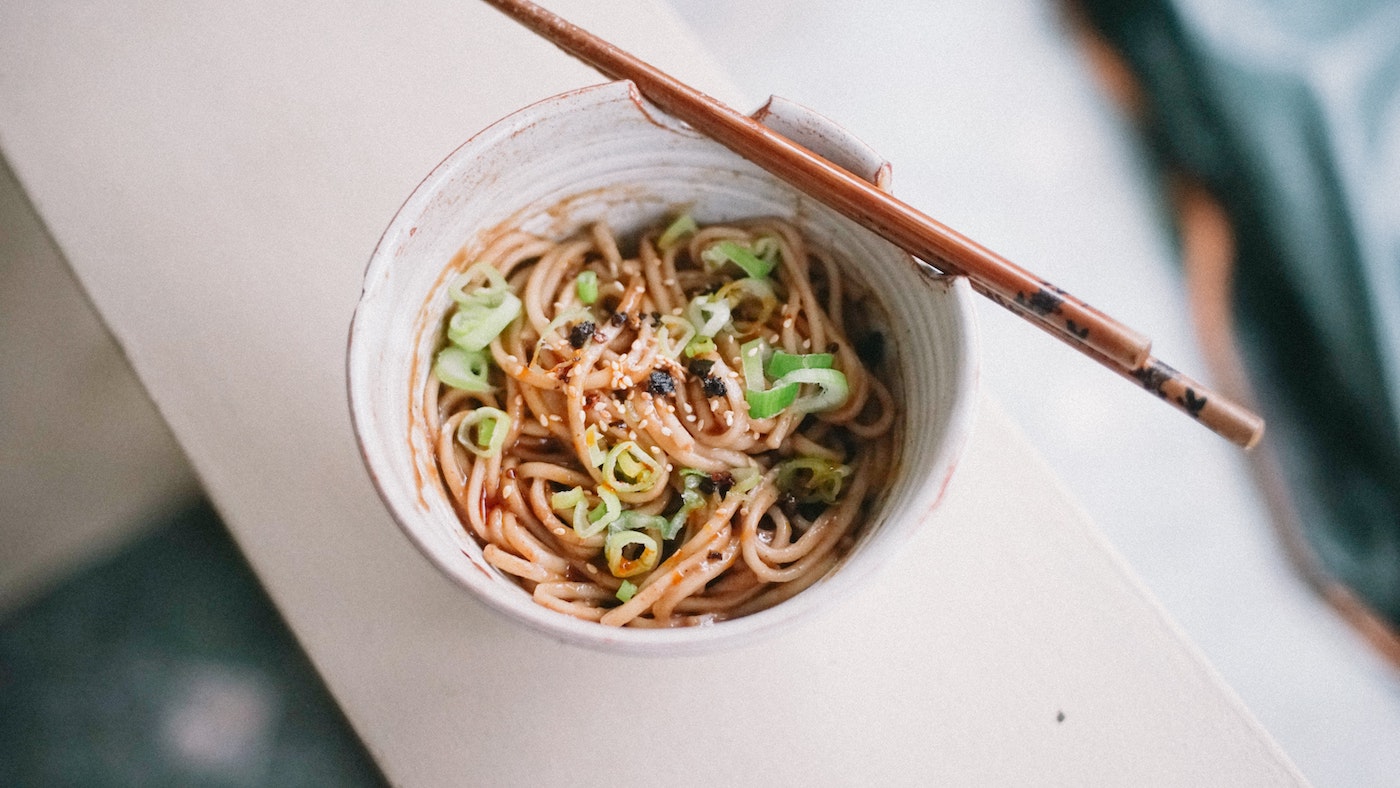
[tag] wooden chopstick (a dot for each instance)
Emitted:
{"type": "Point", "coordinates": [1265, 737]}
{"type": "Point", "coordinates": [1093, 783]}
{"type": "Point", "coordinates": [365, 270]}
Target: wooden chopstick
{"type": "Point", "coordinates": [1215, 412]}
{"type": "Point", "coordinates": [1085, 328]}
{"type": "Point", "coordinates": [849, 194]}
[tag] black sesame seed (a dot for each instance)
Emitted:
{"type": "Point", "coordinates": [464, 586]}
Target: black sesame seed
{"type": "Point", "coordinates": [618, 318]}
{"type": "Point", "coordinates": [661, 382]}
{"type": "Point", "coordinates": [581, 333]}
{"type": "Point", "coordinates": [713, 386]}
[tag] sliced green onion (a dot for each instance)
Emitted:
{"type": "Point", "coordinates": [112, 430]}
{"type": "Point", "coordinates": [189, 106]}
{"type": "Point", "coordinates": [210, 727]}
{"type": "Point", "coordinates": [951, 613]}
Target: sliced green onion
{"type": "Point", "coordinates": [553, 328]}
{"type": "Point", "coordinates": [769, 248]}
{"type": "Point", "coordinates": [593, 442]}
{"type": "Point", "coordinates": [783, 363]}
{"type": "Point", "coordinates": [587, 287]}
{"type": "Point", "coordinates": [626, 591]}
{"type": "Point", "coordinates": [740, 294]}
{"type": "Point", "coordinates": [590, 523]}
{"type": "Point", "coordinates": [745, 479]}
{"type": "Point", "coordinates": [477, 322]}
{"type": "Point", "coordinates": [616, 547]}
{"type": "Point", "coordinates": [709, 314]}
{"type": "Point", "coordinates": [691, 499]}
{"type": "Point", "coordinates": [467, 370]}
{"type": "Point", "coordinates": [833, 389]}
{"type": "Point", "coordinates": [812, 479]}
{"type": "Point", "coordinates": [636, 521]}
{"type": "Point", "coordinates": [490, 292]}
{"type": "Point", "coordinates": [683, 225]}
{"type": "Point", "coordinates": [567, 499]}
{"type": "Point", "coordinates": [630, 468]}
{"type": "Point", "coordinates": [763, 404]}
{"type": "Point", "coordinates": [492, 426]}
{"type": "Point", "coordinates": [699, 346]}
{"type": "Point", "coordinates": [732, 252]}
{"type": "Point", "coordinates": [674, 335]}
{"type": "Point", "coordinates": [752, 355]}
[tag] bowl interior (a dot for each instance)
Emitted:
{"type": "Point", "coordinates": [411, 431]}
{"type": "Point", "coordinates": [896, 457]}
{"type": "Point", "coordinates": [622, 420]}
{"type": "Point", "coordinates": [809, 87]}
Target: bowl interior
{"type": "Point", "coordinates": [599, 154]}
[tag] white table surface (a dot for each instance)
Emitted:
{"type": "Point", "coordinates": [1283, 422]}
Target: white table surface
{"type": "Point", "coordinates": [997, 125]}
{"type": "Point", "coordinates": [217, 176]}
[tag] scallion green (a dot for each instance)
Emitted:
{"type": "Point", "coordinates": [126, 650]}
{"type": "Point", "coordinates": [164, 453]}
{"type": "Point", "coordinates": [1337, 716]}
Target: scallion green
{"type": "Point", "coordinates": [463, 369]}
{"type": "Point", "coordinates": [683, 225]}
{"type": "Point", "coordinates": [587, 287]}
{"type": "Point", "coordinates": [752, 355]}
{"type": "Point", "coordinates": [764, 404]}
{"type": "Point", "coordinates": [483, 431]}
{"type": "Point", "coordinates": [623, 565]}
{"type": "Point", "coordinates": [832, 392]}
{"type": "Point", "coordinates": [593, 522]}
{"type": "Point", "coordinates": [812, 479]}
{"type": "Point", "coordinates": [782, 363]}
{"type": "Point", "coordinates": [629, 468]}
{"type": "Point", "coordinates": [674, 335]}
{"type": "Point", "coordinates": [708, 313]}
{"type": "Point", "coordinates": [477, 322]}
{"type": "Point", "coordinates": [730, 251]}
{"type": "Point", "coordinates": [626, 591]}
{"type": "Point", "coordinates": [699, 346]}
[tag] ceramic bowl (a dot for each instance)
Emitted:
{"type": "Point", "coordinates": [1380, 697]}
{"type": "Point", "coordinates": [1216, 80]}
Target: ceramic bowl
{"type": "Point", "coordinates": [603, 152]}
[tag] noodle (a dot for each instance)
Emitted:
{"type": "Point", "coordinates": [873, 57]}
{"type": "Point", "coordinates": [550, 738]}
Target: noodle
{"type": "Point", "coordinates": [668, 434]}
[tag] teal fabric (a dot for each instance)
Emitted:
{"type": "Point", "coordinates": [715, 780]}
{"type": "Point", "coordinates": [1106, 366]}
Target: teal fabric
{"type": "Point", "coordinates": [1289, 110]}
{"type": "Point", "coordinates": [166, 664]}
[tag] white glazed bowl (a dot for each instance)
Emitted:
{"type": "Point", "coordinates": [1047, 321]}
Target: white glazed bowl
{"type": "Point", "coordinates": [602, 152]}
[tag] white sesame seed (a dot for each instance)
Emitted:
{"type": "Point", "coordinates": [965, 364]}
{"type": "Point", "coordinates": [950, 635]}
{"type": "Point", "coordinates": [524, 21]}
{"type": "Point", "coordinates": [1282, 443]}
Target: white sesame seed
{"type": "Point", "coordinates": [665, 430]}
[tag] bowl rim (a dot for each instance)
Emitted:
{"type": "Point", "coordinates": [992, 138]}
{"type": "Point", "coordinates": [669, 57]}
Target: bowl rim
{"type": "Point", "coordinates": [679, 640]}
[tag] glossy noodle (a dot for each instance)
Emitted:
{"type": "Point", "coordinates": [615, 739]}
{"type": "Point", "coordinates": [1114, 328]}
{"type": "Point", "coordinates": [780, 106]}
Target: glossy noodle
{"type": "Point", "coordinates": [688, 428]}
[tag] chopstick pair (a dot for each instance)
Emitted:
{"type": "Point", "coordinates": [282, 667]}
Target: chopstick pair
{"type": "Point", "coordinates": [1085, 328]}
